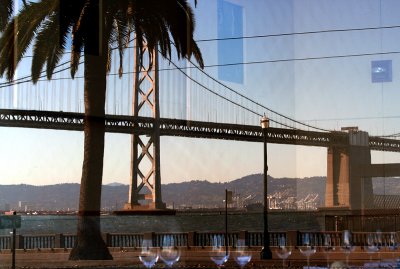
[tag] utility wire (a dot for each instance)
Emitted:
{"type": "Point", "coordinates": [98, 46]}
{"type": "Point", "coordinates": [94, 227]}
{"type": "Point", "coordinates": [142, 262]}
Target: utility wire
{"type": "Point", "coordinates": [239, 63]}
{"type": "Point", "coordinates": [21, 81]}
{"type": "Point", "coordinates": [299, 33]}
{"type": "Point", "coordinates": [277, 35]}
{"type": "Point", "coordinates": [2, 85]}
{"type": "Point", "coordinates": [264, 61]}
{"type": "Point", "coordinates": [29, 79]}
{"type": "Point", "coordinates": [227, 87]}
{"type": "Point", "coordinates": [14, 82]}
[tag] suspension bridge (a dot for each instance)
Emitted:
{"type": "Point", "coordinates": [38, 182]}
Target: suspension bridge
{"type": "Point", "coordinates": [175, 98]}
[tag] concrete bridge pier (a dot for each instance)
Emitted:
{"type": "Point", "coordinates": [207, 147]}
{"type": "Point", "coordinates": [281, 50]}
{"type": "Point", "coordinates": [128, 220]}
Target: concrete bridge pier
{"type": "Point", "coordinates": [347, 187]}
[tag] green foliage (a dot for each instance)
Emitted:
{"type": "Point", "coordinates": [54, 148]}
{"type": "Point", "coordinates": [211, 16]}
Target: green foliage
{"type": "Point", "coordinates": [48, 24]}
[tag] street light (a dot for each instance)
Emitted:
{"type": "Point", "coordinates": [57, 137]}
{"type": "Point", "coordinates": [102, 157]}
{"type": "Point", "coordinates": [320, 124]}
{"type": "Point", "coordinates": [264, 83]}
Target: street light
{"type": "Point", "coordinates": [266, 253]}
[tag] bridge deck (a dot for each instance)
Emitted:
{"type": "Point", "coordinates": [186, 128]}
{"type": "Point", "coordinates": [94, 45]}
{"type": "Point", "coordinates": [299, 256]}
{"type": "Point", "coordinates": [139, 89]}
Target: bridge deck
{"type": "Point", "coordinates": [196, 129]}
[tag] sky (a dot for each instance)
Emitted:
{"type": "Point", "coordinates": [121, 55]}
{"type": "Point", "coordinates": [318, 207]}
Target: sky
{"type": "Point", "coordinates": [301, 77]}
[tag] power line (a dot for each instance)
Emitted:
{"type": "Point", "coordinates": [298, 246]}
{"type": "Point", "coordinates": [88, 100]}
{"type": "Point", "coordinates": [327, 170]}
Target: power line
{"type": "Point", "coordinates": [6, 84]}
{"type": "Point", "coordinates": [227, 87]}
{"type": "Point", "coordinates": [270, 61]}
{"type": "Point", "coordinates": [304, 59]}
{"type": "Point", "coordinates": [232, 90]}
{"type": "Point", "coordinates": [28, 77]}
{"type": "Point", "coordinates": [273, 35]}
{"type": "Point", "coordinates": [299, 33]}
{"type": "Point", "coordinates": [266, 36]}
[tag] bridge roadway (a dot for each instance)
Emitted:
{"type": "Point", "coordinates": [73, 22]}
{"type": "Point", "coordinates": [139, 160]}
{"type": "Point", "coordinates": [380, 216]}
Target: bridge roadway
{"type": "Point", "coordinates": [196, 129]}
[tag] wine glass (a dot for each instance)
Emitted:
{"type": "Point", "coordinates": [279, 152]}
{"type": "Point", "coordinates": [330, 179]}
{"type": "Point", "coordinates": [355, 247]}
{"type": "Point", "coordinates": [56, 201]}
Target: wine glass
{"type": "Point", "coordinates": [219, 255]}
{"type": "Point", "coordinates": [347, 245]}
{"type": "Point", "coordinates": [169, 252]}
{"type": "Point", "coordinates": [283, 251]}
{"type": "Point", "coordinates": [327, 247]}
{"type": "Point", "coordinates": [149, 255]}
{"type": "Point", "coordinates": [372, 244]}
{"type": "Point", "coordinates": [392, 243]}
{"type": "Point", "coordinates": [307, 249]}
{"type": "Point", "coordinates": [242, 254]}
{"type": "Point", "coordinates": [379, 241]}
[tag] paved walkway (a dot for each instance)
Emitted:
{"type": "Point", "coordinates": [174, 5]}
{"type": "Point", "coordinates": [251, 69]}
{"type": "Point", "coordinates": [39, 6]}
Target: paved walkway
{"type": "Point", "coordinates": [190, 258]}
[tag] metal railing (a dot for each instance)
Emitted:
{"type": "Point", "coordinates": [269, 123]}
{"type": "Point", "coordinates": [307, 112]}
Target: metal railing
{"type": "Point", "coordinates": [202, 239]}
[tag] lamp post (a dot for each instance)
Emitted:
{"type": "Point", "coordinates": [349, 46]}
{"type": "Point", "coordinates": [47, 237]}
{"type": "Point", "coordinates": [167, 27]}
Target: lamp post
{"type": "Point", "coordinates": [266, 253]}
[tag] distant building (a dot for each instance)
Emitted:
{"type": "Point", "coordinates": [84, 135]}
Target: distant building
{"type": "Point", "coordinates": [23, 206]}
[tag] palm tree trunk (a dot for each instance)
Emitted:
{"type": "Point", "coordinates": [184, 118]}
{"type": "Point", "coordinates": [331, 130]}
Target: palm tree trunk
{"type": "Point", "coordinates": [90, 244]}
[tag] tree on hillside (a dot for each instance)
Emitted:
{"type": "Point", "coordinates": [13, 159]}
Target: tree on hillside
{"type": "Point", "coordinates": [94, 26]}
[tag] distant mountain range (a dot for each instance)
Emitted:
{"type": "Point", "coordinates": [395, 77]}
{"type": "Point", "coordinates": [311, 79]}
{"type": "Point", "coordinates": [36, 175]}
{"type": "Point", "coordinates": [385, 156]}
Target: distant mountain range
{"type": "Point", "coordinates": [248, 189]}
{"type": "Point", "coordinates": [197, 193]}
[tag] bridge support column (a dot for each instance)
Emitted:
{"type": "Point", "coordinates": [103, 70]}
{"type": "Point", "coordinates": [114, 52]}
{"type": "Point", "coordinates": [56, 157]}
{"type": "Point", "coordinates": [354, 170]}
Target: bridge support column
{"type": "Point", "coordinates": [338, 178]}
{"type": "Point", "coordinates": [345, 186]}
{"type": "Point", "coordinates": [145, 182]}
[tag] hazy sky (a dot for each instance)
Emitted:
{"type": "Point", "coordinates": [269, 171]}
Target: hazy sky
{"type": "Point", "coordinates": [302, 78]}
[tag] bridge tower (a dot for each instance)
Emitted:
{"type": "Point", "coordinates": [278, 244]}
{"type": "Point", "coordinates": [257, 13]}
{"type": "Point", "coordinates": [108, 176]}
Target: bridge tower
{"type": "Point", "coordinates": [345, 187]}
{"type": "Point", "coordinates": [145, 179]}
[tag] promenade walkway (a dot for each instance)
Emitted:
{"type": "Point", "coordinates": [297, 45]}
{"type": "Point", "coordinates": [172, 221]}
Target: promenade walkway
{"type": "Point", "coordinates": [192, 258]}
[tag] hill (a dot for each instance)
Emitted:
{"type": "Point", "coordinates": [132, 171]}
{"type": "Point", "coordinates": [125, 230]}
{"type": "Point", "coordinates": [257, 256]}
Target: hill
{"type": "Point", "coordinates": [249, 189]}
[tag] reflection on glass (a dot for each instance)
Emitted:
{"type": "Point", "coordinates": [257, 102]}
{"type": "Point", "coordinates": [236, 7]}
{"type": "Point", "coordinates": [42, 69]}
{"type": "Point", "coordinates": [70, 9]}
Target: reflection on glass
{"type": "Point", "coordinates": [372, 244]}
{"type": "Point", "coordinates": [169, 253]}
{"type": "Point", "coordinates": [242, 254]}
{"type": "Point", "coordinates": [283, 251]}
{"type": "Point", "coordinates": [347, 245]}
{"type": "Point", "coordinates": [149, 255]}
{"type": "Point", "coordinates": [307, 249]}
{"type": "Point", "coordinates": [328, 247]}
{"type": "Point", "coordinates": [392, 242]}
{"type": "Point", "coordinates": [219, 255]}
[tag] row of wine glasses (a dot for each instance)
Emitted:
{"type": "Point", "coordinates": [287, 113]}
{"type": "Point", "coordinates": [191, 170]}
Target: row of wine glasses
{"type": "Point", "coordinates": [220, 254]}
{"type": "Point", "coordinates": [374, 243]}
{"type": "Point", "coordinates": [170, 254]}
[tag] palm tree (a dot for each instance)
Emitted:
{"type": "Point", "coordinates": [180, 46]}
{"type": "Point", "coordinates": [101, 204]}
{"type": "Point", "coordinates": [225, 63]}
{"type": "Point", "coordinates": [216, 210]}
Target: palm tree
{"type": "Point", "coordinates": [93, 26]}
{"type": "Point", "coordinates": [6, 10]}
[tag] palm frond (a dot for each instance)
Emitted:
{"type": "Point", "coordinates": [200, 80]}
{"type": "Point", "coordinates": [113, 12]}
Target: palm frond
{"type": "Point", "coordinates": [6, 10]}
{"type": "Point", "coordinates": [120, 34]}
{"type": "Point", "coordinates": [109, 56]}
{"type": "Point", "coordinates": [75, 58]}
{"type": "Point", "coordinates": [70, 14]}
{"type": "Point", "coordinates": [77, 44]}
{"type": "Point", "coordinates": [19, 33]}
{"type": "Point", "coordinates": [160, 21]}
{"type": "Point", "coordinates": [49, 46]}
{"type": "Point", "coordinates": [197, 54]}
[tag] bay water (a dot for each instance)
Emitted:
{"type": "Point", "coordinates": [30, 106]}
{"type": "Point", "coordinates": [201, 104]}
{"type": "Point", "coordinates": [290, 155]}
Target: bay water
{"type": "Point", "coordinates": [67, 224]}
